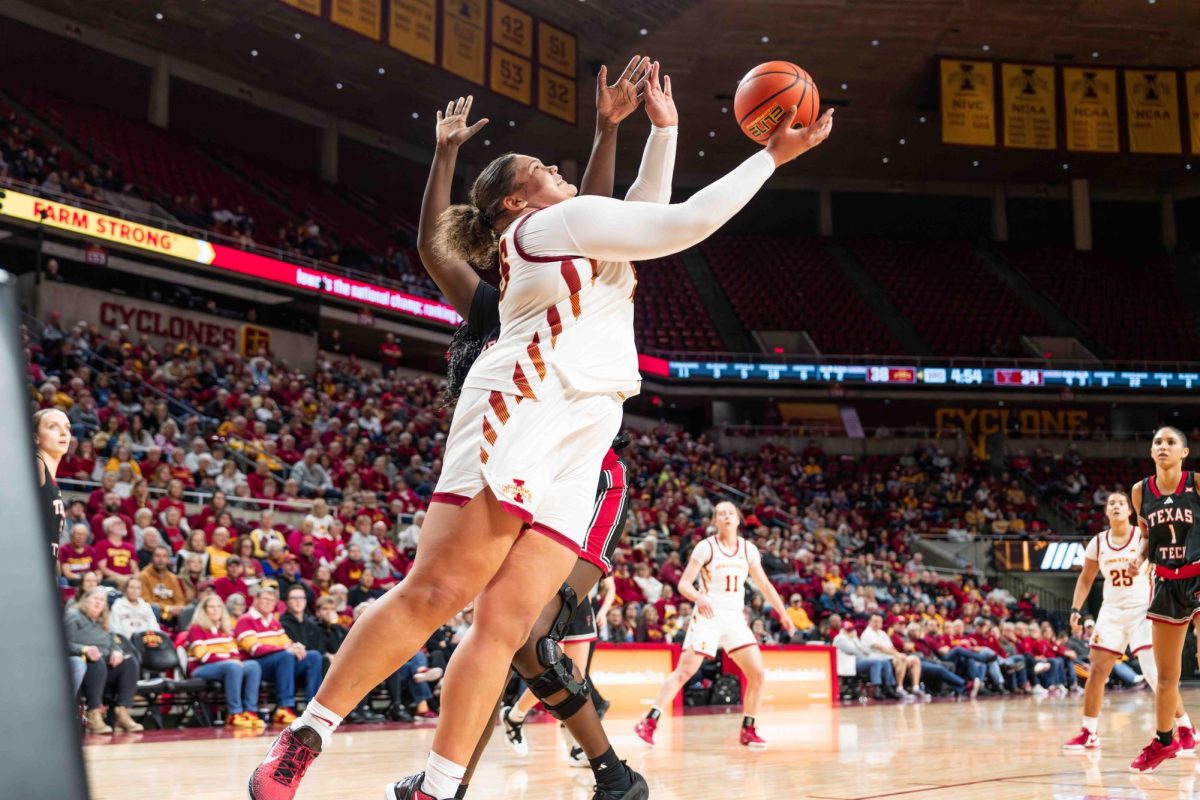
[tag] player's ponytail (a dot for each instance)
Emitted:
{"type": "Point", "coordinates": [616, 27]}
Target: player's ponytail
{"type": "Point", "coordinates": [465, 347]}
{"type": "Point", "coordinates": [467, 231]}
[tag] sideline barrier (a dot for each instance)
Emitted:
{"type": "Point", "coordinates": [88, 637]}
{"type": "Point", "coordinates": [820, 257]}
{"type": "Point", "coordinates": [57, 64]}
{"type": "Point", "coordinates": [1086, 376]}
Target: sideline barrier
{"type": "Point", "coordinates": [630, 675]}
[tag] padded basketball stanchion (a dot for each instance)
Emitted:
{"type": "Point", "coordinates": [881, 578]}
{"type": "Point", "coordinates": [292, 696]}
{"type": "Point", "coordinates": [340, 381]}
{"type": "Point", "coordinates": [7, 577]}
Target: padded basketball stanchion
{"type": "Point", "coordinates": [42, 756]}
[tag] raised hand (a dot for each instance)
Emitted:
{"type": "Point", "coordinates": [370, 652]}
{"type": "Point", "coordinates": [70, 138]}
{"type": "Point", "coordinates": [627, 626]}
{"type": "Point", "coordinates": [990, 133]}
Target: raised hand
{"type": "Point", "coordinates": [660, 103]}
{"type": "Point", "coordinates": [787, 143]}
{"type": "Point", "coordinates": [452, 129]}
{"type": "Point", "coordinates": [615, 103]}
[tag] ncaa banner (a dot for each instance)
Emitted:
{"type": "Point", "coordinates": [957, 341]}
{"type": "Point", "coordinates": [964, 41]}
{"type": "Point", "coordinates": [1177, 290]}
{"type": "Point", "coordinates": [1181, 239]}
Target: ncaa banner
{"type": "Point", "coordinates": [1030, 111]}
{"type": "Point", "coordinates": [968, 102]}
{"type": "Point", "coordinates": [1192, 84]}
{"type": "Point", "coordinates": [1152, 111]}
{"type": "Point", "coordinates": [1090, 105]}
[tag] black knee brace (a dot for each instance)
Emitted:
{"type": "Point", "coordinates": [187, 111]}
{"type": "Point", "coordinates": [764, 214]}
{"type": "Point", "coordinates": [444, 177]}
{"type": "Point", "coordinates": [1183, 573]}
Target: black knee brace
{"type": "Point", "coordinates": [559, 675]}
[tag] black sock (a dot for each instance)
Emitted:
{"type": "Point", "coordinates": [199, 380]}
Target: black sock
{"type": "Point", "coordinates": [610, 772]}
{"type": "Point", "coordinates": [654, 714]}
{"type": "Point", "coordinates": [747, 722]}
{"type": "Point", "coordinates": [1165, 737]}
{"type": "Point", "coordinates": [461, 793]}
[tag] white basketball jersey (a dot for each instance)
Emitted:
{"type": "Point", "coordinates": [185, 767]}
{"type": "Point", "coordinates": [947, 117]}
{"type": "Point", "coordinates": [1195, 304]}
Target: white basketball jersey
{"type": "Point", "coordinates": [1121, 591]}
{"type": "Point", "coordinates": [567, 313]}
{"type": "Point", "coordinates": [723, 573]}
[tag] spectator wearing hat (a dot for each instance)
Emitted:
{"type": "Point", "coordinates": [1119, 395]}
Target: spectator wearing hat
{"type": "Point", "coordinates": [289, 576]}
{"type": "Point", "coordinates": [261, 637]}
{"type": "Point", "coordinates": [805, 629]}
{"type": "Point", "coordinates": [232, 582]}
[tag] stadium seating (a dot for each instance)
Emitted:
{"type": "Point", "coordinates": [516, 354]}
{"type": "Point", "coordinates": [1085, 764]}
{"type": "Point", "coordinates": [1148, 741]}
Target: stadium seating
{"type": "Point", "coordinates": [668, 314]}
{"type": "Point", "coordinates": [791, 284]}
{"type": "Point", "coordinates": [954, 303]}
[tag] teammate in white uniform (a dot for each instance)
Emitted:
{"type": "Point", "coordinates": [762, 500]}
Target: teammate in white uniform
{"type": "Point", "coordinates": [722, 563]}
{"type": "Point", "coordinates": [1122, 621]}
{"type": "Point", "coordinates": [539, 410]}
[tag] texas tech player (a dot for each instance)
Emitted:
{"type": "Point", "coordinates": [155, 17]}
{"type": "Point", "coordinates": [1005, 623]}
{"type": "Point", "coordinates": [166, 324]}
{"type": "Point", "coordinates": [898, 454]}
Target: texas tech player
{"type": "Point", "coordinates": [1122, 620]}
{"type": "Point", "coordinates": [722, 563]}
{"type": "Point", "coordinates": [1169, 507]}
{"type": "Point", "coordinates": [52, 438]}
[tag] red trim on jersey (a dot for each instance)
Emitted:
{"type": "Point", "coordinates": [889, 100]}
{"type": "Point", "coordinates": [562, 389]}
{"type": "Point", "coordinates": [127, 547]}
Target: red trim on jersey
{"type": "Point", "coordinates": [521, 250]}
{"type": "Point", "coordinates": [562, 539]}
{"type": "Point", "coordinates": [450, 498]}
{"type": "Point", "coordinates": [736, 547]}
{"type": "Point", "coordinates": [1186, 571]}
{"type": "Point", "coordinates": [517, 511]}
{"type": "Point", "coordinates": [1169, 621]}
{"type": "Point", "coordinates": [1153, 484]}
{"type": "Point", "coordinates": [1140, 649]}
{"type": "Point", "coordinates": [1108, 538]}
{"type": "Point", "coordinates": [1105, 649]}
{"type": "Point", "coordinates": [1153, 481]}
{"type": "Point", "coordinates": [1183, 476]}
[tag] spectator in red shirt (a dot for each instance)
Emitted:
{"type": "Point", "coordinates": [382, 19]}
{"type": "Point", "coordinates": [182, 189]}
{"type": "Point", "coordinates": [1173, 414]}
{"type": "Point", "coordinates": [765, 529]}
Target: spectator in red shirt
{"type": "Point", "coordinates": [232, 582]}
{"type": "Point", "coordinates": [348, 571]}
{"type": "Point", "coordinates": [172, 499]}
{"type": "Point", "coordinates": [390, 354]}
{"type": "Point", "coordinates": [671, 570]}
{"type": "Point", "coordinates": [115, 556]}
{"type": "Point", "coordinates": [98, 497]}
{"type": "Point", "coordinates": [76, 557]}
{"type": "Point", "coordinates": [110, 508]}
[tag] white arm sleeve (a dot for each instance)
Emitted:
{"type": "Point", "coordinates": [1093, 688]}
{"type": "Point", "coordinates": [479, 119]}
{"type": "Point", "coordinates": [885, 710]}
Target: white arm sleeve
{"type": "Point", "coordinates": [618, 230]}
{"type": "Point", "coordinates": [653, 184]}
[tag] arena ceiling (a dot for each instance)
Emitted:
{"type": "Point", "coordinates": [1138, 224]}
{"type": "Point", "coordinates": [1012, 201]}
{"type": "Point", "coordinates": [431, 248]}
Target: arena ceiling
{"type": "Point", "coordinates": [874, 60]}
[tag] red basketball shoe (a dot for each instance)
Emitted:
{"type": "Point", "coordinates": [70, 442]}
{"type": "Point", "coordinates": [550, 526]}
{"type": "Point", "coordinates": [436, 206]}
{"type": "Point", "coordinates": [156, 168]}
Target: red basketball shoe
{"type": "Point", "coordinates": [407, 789]}
{"type": "Point", "coordinates": [1186, 739]}
{"type": "Point", "coordinates": [751, 739]}
{"type": "Point", "coordinates": [1153, 755]}
{"type": "Point", "coordinates": [279, 775]}
{"type": "Point", "coordinates": [1084, 740]}
{"type": "Point", "coordinates": [645, 730]}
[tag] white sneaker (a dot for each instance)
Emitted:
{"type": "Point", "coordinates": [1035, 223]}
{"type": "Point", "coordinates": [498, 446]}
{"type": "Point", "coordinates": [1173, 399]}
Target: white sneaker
{"type": "Point", "coordinates": [1076, 689]}
{"type": "Point", "coordinates": [514, 734]}
{"type": "Point", "coordinates": [1040, 667]}
{"type": "Point", "coordinates": [1039, 690]}
{"type": "Point", "coordinates": [976, 685]}
{"type": "Point", "coordinates": [1138, 679]}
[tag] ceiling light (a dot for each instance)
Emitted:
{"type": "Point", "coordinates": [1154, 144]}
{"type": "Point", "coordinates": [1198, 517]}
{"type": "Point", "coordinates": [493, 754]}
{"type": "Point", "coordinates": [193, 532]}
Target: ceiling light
{"type": "Point", "coordinates": [845, 86]}
{"type": "Point", "coordinates": [1066, 166]}
{"type": "Point", "coordinates": [512, 123]}
{"type": "Point", "coordinates": [874, 43]}
{"type": "Point", "coordinates": [254, 53]}
{"type": "Point", "coordinates": [159, 16]}
{"type": "Point", "coordinates": [904, 141]}
{"type": "Point", "coordinates": [986, 48]}
{"type": "Point", "coordinates": [339, 84]}
{"type": "Point", "coordinates": [765, 39]}
{"type": "Point", "coordinates": [724, 109]}
{"type": "Point", "coordinates": [975, 163]}
{"type": "Point", "coordinates": [416, 115]}
{"type": "Point", "coordinates": [488, 142]}
{"type": "Point", "coordinates": [922, 119]}
{"type": "Point", "coordinates": [382, 70]}
{"type": "Point", "coordinates": [702, 154]}
{"type": "Point", "coordinates": [643, 31]}
{"type": "Point", "coordinates": [1189, 166]}
{"type": "Point", "coordinates": [297, 34]}
{"type": "Point", "coordinates": [1095, 54]}
{"type": "Point", "coordinates": [712, 134]}
{"type": "Point", "coordinates": [885, 159]}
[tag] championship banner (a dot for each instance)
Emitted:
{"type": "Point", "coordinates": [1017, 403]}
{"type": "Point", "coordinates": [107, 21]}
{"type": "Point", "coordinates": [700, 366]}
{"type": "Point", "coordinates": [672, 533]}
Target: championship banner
{"type": "Point", "coordinates": [629, 675]}
{"type": "Point", "coordinates": [307, 6]}
{"type": "Point", "coordinates": [30, 209]}
{"type": "Point", "coordinates": [1030, 111]}
{"type": "Point", "coordinates": [361, 16]}
{"type": "Point", "coordinates": [968, 102]}
{"type": "Point", "coordinates": [1152, 111]}
{"type": "Point", "coordinates": [463, 39]}
{"type": "Point", "coordinates": [1090, 104]}
{"type": "Point", "coordinates": [1192, 84]}
{"type": "Point", "coordinates": [412, 28]}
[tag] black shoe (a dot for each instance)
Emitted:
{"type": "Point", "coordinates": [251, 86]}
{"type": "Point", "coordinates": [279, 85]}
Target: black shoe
{"type": "Point", "coordinates": [363, 715]}
{"type": "Point", "coordinates": [638, 790]}
{"type": "Point", "coordinates": [890, 693]}
{"type": "Point", "coordinates": [398, 713]}
{"type": "Point", "coordinates": [408, 789]}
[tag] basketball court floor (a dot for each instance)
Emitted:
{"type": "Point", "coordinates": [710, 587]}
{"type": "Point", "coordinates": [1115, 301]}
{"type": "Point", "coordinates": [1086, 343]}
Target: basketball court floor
{"type": "Point", "coordinates": [994, 748]}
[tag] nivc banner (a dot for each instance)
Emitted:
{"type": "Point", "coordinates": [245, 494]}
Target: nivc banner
{"type": "Point", "coordinates": [1090, 104]}
{"type": "Point", "coordinates": [1152, 111]}
{"type": "Point", "coordinates": [1030, 112]}
{"type": "Point", "coordinates": [968, 102]}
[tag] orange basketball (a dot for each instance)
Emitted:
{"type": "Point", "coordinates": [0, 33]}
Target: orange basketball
{"type": "Point", "coordinates": [767, 92]}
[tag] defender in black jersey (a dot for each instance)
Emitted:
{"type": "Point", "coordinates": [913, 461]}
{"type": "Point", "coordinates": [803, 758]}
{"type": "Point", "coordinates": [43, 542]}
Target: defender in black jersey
{"type": "Point", "coordinates": [52, 438]}
{"type": "Point", "coordinates": [1168, 508]}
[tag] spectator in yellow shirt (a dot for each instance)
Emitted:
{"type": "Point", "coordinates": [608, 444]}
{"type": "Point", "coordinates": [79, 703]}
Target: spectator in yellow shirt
{"type": "Point", "coordinates": [798, 615]}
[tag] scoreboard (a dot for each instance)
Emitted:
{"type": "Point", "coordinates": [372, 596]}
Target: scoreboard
{"type": "Point", "coordinates": [731, 371]}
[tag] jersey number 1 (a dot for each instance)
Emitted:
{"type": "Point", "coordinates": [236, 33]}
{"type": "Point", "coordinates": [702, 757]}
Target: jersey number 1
{"type": "Point", "coordinates": [731, 583]}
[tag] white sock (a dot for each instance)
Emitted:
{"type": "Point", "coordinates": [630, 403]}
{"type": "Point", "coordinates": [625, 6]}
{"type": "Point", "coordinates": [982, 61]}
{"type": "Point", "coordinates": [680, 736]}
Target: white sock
{"type": "Point", "coordinates": [442, 777]}
{"type": "Point", "coordinates": [517, 715]}
{"type": "Point", "coordinates": [1184, 722]}
{"type": "Point", "coordinates": [1090, 723]}
{"type": "Point", "coordinates": [320, 719]}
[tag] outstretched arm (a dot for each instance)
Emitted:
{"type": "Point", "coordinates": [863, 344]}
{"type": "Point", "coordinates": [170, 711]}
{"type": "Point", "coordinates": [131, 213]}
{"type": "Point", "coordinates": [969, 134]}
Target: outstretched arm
{"type": "Point", "coordinates": [653, 184]}
{"type": "Point", "coordinates": [612, 230]}
{"type": "Point", "coordinates": [613, 104]}
{"type": "Point", "coordinates": [453, 276]}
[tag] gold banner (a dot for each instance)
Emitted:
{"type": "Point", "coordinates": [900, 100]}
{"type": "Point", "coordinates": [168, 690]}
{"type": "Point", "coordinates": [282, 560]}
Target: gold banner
{"type": "Point", "coordinates": [512, 76]}
{"type": "Point", "coordinates": [1030, 112]}
{"type": "Point", "coordinates": [556, 49]}
{"type": "Point", "coordinates": [412, 28]}
{"type": "Point", "coordinates": [462, 46]}
{"type": "Point", "coordinates": [512, 28]}
{"type": "Point", "coordinates": [968, 102]}
{"type": "Point", "coordinates": [1090, 103]}
{"type": "Point", "coordinates": [360, 16]}
{"type": "Point", "coordinates": [308, 6]}
{"type": "Point", "coordinates": [1152, 111]}
{"type": "Point", "coordinates": [556, 95]}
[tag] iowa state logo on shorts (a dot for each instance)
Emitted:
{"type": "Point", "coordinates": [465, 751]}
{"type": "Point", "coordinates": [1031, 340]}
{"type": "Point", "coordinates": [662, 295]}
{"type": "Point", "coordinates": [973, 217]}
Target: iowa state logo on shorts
{"type": "Point", "coordinates": [517, 491]}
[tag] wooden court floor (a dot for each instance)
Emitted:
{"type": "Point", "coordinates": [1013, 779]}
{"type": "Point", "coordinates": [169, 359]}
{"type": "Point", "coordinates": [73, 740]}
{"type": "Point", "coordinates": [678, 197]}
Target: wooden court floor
{"type": "Point", "coordinates": [993, 749]}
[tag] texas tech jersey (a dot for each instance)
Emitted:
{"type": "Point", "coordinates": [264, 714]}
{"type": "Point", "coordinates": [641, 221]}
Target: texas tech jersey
{"type": "Point", "coordinates": [723, 573]}
{"type": "Point", "coordinates": [1121, 591]}
{"type": "Point", "coordinates": [1174, 522]}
